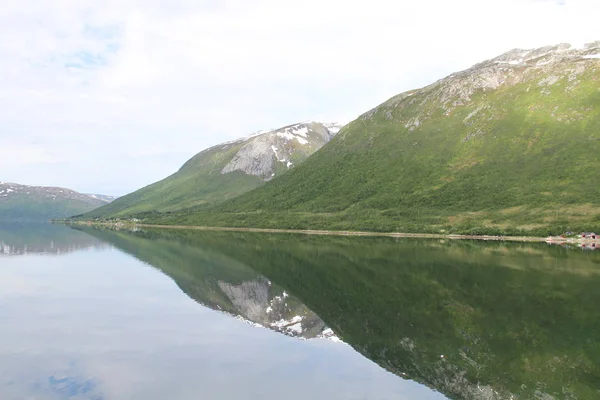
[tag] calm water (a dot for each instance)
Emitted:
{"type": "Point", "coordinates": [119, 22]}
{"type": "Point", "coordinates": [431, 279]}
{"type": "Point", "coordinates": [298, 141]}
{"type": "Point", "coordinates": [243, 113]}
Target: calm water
{"type": "Point", "coordinates": [98, 314]}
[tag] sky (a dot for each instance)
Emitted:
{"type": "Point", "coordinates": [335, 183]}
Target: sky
{"type": "Point", "coordinates": [107, 97]}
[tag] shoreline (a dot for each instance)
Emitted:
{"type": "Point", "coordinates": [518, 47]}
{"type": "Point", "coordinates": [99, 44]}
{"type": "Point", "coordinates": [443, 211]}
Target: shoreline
{"type": "Point", "coordinates": [532, 239]}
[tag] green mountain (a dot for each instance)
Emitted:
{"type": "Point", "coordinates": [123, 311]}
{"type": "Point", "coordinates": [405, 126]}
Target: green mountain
{"type": "Point", "coordinates": [22, 202]}
{"type": "Point", "coordinates": [225, 171]}
{"type": "Point", "coordinates": [508, 146]}
{"type": "Point", "coordinates": [473, 320]}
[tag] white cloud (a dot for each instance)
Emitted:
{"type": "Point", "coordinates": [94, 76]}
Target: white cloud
{"type": "Point", "coordinates": [14, 156]}
{"type": "Point", "coordinates": [146, 84]}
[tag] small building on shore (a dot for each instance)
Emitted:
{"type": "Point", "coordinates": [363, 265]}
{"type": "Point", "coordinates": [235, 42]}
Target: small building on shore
{"type": "Point", "coordinates": [589, 235]}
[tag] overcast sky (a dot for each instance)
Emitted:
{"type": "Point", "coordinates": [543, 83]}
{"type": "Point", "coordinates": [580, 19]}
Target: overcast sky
{"type": "Point", "coordinates": [108, 96]}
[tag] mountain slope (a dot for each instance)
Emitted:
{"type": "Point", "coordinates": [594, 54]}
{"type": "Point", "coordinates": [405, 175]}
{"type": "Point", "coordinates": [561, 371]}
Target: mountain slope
{"type": "Point", "coordinates": [226, 170]}
{"type": "Point", "coordinates": [24, 202]}
{"type": "Point", "coordinates": [509, 145]}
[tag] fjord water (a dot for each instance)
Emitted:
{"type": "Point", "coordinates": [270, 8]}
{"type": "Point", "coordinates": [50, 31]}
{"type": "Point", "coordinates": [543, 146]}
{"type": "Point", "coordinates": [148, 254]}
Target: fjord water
{"type": "Point", "coordinates": [100, 317]}
{"type": "Point", "coordinates": [174, 314]}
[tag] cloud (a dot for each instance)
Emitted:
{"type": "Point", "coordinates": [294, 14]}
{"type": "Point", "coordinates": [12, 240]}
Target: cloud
{"type": "Point", "coordinates": [14, 156]}
{"type": "Point", "coordinates": [93, 84]}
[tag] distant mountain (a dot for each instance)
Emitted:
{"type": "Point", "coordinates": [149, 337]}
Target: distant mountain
{"type": "Point", "coordinates": [103, 197]}
{"type": "Point", "coordinates": [22, 202]}
{"type": "Point", "coordinates": [509, 146]}
{"type": "Point", "coordinates": [227, 170]}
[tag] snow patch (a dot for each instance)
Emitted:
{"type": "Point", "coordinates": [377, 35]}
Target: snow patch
{"type": "Point", "coordinates": [282, 323]}
{"type": "Point", "coordinates": [592, 56]}
{"type": "Point", "coordinates": [330, 335]}
{"type": "Point", "coordinates": [300, 131]}
{"type": "Point", "coordinates": [297, 328]}
{"type": "Point", "coordinates": [512, 62]}
{"type": "Point", "coordinates": [286, 135]}
{"type": "Point", "coordinates": [275, 151]}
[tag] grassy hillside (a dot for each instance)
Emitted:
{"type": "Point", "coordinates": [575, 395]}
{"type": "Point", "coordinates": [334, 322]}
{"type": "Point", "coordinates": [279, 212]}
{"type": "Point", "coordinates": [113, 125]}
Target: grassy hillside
{"type": "Point", "coordinates": [38, 203]}
{"type": "Point", "coordinates": [513, 321]}
{"type": "Point", "coordinates": [224, 171]}
{"type": "Point", "coordinates": [508, 146]}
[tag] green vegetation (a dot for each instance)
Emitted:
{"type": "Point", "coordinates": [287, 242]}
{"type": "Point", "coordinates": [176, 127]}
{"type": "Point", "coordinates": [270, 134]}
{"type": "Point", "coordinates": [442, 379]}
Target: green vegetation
{"type": "Point", "coordinates": [36, 209]}
{"type": "Point", "coordinates": [520, 320]}
{"type": "Point", "coordinates": [198, 182]}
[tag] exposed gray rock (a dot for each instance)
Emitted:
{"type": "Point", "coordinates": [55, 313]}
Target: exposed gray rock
{"type": "Point", "coordinates": [262, 154]}
{"type": "Point", "coordinates": [253, 159]}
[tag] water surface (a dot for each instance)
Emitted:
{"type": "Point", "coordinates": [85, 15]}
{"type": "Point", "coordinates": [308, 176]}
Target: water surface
{"type": "Point", "coordinates": [82, 319]}
{"type": "Point", "coordinates": [224, 315]}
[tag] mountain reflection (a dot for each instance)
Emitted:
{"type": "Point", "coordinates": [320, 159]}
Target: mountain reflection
{"type": "Point", "coordinates": [472, 320]}
{"type": "Point", "coordinates": [222, 283]}
{"type": "Point", "coordinates": [18, 239]}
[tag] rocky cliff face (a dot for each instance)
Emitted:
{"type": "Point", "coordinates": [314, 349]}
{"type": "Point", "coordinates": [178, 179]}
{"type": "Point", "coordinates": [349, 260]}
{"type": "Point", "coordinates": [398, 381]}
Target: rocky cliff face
{"type": "Point", "coordinates": [264, 154]}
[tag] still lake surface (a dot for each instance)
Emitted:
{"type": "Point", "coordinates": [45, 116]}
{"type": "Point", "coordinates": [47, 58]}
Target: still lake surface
{"type": "Point", "coordinates": [105, 314]}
